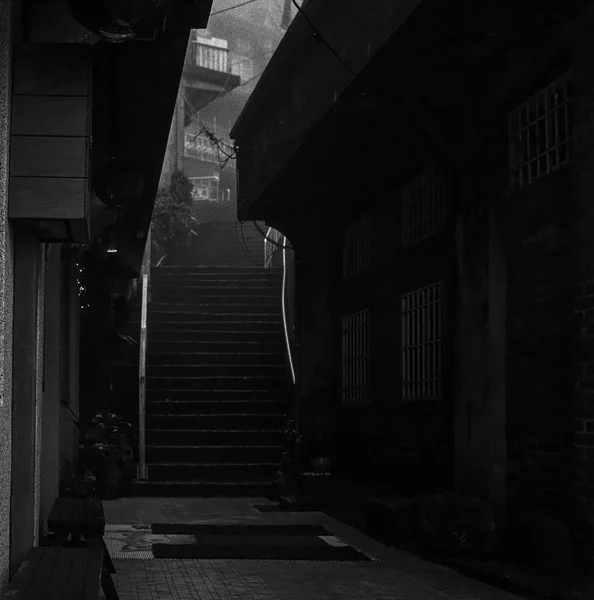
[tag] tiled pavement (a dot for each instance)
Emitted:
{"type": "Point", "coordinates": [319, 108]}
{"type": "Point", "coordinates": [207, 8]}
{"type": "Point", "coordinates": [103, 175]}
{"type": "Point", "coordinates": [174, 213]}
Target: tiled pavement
{"type": "Point", "coordinates": [393, 575]}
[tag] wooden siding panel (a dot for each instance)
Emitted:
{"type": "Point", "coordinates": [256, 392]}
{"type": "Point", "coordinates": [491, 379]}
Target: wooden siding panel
{"type": "Point", "coordinates": [49, 116]}
{"type": "Point", "coordinates": [48, 157]}
{"type": "Point", "coordinates": [48, 198]}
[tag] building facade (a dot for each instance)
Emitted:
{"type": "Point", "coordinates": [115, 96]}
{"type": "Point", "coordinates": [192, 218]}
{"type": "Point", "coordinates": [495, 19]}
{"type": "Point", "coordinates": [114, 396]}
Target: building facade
{"type": "Point", "coordinates": [75, 158]}
{"type": "Point", "coordinates": [432, 175]}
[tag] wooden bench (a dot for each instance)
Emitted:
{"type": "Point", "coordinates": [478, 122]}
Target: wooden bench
{"type": "Point", "coordinates": [82, 520]}
{"type": "Point", "coordinates": [61, 572]}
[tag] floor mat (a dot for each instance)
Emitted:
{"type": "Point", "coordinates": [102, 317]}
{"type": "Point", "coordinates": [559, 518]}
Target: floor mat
{"type": "Point", "coordinates": [318, 553]}
{"type": "Point", "coordinates": [200, 529]}
{"type": "Point", "coordinates": [269, 508]}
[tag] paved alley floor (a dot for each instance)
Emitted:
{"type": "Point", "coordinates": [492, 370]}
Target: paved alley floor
{"type": "Point", "coordinates": [390, 575]}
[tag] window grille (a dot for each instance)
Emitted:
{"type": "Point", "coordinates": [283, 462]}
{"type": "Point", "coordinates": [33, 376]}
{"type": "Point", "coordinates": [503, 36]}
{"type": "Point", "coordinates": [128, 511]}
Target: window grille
{"type": "Point", "coordinates": [540, 132]}
{"type": "Point", "coordinates": [198, 146]}
{"type": "Point", "coordinates": [205, 188]}
{"type": "Point", "coordinates": [357, 248]}
{"type": "Point", "coordinates": [423, 207]}
{"type": "Point", "coordinates": [422, 343]}
{"type": "Point", "coordinates": [355, 358]}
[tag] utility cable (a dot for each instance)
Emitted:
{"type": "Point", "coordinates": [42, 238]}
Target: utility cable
{"type": "Point", "coordinates": [319, 37]}
{"type": "Point", "coordinates": [218, 12]}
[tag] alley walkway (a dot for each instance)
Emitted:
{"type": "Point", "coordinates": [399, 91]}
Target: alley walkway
{"type": "Point", "coordinates": [391, 575]}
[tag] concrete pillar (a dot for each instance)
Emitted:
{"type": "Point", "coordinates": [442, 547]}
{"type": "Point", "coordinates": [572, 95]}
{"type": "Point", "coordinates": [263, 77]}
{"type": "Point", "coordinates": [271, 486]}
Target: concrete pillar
{"type": "Point", "coordinates": [6, 292]}
{"type": "Point", "coordinates": [53, 384]}
{"type": "Point", "coordinates": [26, 396]}
{"type": "Point", "coordinates": [317, 331]}
{"type": "Point", "coordinates": [479, 409]}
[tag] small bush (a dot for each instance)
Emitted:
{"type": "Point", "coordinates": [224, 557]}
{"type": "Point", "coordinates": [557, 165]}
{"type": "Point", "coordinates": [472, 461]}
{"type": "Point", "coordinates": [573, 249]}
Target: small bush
{"type": "Point", "coordinates": [172, 223]}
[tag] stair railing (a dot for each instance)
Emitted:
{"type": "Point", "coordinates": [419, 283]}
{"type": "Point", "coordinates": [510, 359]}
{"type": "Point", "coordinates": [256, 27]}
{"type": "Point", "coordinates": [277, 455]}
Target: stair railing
{"type": "Point", "coordinates": [272, 241]}
{"type": "Point", "coordinates": [145, 272]}
{"type": "Point", "coordinates": [284, 303]}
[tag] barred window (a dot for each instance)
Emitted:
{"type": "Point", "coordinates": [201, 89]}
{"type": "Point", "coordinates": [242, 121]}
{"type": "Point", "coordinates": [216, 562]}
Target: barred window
{"type": "Point", "coordinates": [355, 358]}
{"type": "Point", "coordinates": [422, 343]}
{"type": "Point", "coordinates": [540, 132]}
{"type": "Point", "coordinates": [205, 188]}
{"type": "Point", "coordinates": [423, 207]}
{"type": "Point", "coordinates": [357, 248]}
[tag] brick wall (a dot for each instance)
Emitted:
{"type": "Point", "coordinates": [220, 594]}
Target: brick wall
{"type": "Point", "coordinates": [539, 347]}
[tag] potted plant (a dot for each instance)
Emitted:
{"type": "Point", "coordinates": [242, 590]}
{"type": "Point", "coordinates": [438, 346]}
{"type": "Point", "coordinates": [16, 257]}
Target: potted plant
{"type": "Point", "coordinates": [107, 453]}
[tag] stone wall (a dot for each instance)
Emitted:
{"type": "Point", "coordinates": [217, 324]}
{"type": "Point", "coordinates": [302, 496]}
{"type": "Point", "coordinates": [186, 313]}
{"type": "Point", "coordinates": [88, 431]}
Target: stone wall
{"type": "Point", "coordinates": [6, 298]}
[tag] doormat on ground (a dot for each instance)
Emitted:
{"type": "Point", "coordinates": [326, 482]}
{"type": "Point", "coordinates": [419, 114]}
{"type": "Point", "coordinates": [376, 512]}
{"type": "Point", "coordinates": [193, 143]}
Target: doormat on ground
{"type": "Point", "coordinates": [199, 529]}
{"type": "Point", "coordinates": [255, 542]}
{"type": "Point", "coordinates": [266, 508]}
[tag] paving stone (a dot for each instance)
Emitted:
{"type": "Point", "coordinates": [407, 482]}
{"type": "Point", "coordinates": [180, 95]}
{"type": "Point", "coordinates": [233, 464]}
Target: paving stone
{"type": "Point", "coordinates": [395, 575]}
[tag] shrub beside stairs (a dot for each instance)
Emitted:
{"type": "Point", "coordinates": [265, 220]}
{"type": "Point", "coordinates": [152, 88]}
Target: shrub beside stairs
{"type": "Point", "coordinates": [217, 389]}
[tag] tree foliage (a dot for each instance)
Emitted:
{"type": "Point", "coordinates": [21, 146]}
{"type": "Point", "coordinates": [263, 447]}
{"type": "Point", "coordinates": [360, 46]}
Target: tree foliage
{"type": "Point", "coordinates": [181, 188]}
{"type": "Point", "coordinates": [173, 221]}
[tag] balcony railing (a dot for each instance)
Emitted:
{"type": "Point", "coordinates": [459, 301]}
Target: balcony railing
{"type": "Point", "coordinates": [210, 54]}
{"type": "Point", "coordinates": [213, 54]}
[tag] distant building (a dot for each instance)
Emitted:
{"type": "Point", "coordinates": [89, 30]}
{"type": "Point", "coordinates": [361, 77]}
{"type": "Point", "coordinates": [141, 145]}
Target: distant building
{"type": "Point", "coordinates": [223, 65]}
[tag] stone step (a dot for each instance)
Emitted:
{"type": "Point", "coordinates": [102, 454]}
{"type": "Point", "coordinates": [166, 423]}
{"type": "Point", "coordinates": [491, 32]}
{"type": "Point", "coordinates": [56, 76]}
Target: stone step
{"type": "Point", "coordinates": [227, 341]}
{"type": "Point", "coordinates": [236, 421]}
{"type": "Point", "coordinates": [216, 271]}
{"type": "Point", "coordinates": [236, 293]}
{"type": "Point", "coordinates": [212, 471]}
{"type": "Point", "coordinates": [218, 283]}
{"type": "Point", "coordinates": [259, 359]}
{"type": "Point", "coordinates": [214, 454]}
{"type": "Point", "coordinates": [257, 327]}
{"type": "Point", "coordinates": [228, 370]}
{"type": "Point", "coordinates": [278, 383]}
{"type": "Point", "coordinates": [195, 333]}
{"type": "Point", "coordinates": [214, 313]}
{"type": "Point", "coordinates": [220, 305]}
{"type": "Point", "coordinates": [202, 489]}
{"type": "Point", "coordinates": [223, 395]}
{"type": "Point", "coordinates": [213, 437]}
{"type": "Point", "coordinates": [217, 407]}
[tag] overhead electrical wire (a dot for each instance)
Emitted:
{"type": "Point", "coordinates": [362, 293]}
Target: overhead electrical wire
{"type": "Point", "coordinates": [319, 37]}
{"type": "Point", "coordinates": [218, 12]}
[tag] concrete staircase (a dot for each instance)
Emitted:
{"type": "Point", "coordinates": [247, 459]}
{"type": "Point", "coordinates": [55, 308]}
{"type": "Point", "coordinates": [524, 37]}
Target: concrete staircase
{"type": "Point", "coordinates": [223, 244]}
{"type": "Point", "coordinates": [217, 388]}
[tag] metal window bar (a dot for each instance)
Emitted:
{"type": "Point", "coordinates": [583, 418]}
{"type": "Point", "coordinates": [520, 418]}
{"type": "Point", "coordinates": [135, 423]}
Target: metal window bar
{"type": "Point", "coordinates": [200, 147]}
{"type": "Point", "coordinates": [355, 357]}
{"type": "Point", "coordinates": [205, 188]}
{"type": "Point", "coordinates": [540, 134]}
{"type": "Point", "coordinates": [357, 248]}
{"type": "Point", "coordinates": [422, 342]}
{"type": "Point", "coordinates": [423, 207]}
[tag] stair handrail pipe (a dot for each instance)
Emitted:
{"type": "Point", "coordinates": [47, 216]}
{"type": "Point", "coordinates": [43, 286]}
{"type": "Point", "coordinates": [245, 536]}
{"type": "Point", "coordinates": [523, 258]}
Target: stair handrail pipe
{"type": "Point", "coordinates": [145, 271]}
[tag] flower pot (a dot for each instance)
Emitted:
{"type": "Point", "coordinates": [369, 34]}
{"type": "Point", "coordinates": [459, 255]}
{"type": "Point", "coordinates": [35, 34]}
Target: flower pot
{"type": "Point", "coordinates": [111, 481]}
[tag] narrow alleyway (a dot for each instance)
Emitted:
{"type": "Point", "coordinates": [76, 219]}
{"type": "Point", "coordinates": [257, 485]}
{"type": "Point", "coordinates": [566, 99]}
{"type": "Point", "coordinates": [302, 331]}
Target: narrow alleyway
{"type": "Point", "coordinates": [390, 575]}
